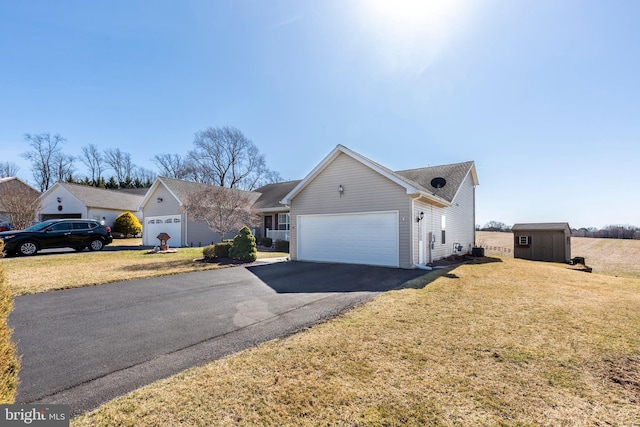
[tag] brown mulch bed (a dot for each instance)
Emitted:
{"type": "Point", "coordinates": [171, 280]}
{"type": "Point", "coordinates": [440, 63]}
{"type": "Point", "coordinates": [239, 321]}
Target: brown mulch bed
{"type": "Point", "coordinates": [451, 260]}
{"type": "Point", "coordinates": [222, 261]}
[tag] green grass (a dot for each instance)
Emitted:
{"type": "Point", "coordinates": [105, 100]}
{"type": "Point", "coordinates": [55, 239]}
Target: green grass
{"type": "Point", "coordinates": [508, 342]}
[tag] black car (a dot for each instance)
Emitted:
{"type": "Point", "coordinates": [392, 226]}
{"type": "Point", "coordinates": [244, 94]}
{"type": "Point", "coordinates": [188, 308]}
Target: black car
{"type": "Point", "coordinates": [57, 233]}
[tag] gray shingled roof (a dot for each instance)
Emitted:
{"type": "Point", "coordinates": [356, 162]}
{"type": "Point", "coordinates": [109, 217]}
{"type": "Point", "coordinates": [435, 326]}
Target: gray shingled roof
{"type": "Point", "coordinates": [541, 226]}
{"type": "Point", "coordinates": [454, 174]}
{"type": "Point", "coordinates": [102, 198]}
{"type": "Point", "coordinates": [181, 189]}
{"type": "Point", "coordinates": [271, 194]}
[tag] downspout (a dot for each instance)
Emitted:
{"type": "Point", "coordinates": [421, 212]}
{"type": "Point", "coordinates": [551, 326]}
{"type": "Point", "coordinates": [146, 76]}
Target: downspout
{"type": "Point", "coordinates": [474, 216]}
{"type": "Point", "coordinates": [186, 227]}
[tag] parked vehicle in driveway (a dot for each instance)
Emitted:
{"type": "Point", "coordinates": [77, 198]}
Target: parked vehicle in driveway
{"type": "Point", "coordinates": [57, 233]}
{"type": "Point", "coordinates": [5, 226]}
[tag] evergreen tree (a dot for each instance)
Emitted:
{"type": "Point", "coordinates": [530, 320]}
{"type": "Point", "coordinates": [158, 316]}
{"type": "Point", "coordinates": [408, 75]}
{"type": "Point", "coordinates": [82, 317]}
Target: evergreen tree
{"type": "Point", "coordinates": [244, 246]}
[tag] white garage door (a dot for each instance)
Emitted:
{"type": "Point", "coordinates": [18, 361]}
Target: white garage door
{"type": "Point", "coordinates": [364, 238]}
{"type": "Point", "coordinates": [154, 225]}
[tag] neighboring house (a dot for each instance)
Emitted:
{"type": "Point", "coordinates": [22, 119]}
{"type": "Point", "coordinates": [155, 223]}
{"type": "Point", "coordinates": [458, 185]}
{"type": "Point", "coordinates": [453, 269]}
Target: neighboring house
{"type": "Point", "coordinates": [66, 200]}
{"type": "Point", "coordinates": [350, 209]}
{"type": "Point", "coordinates": [275, 216]}
{"type": "Point", "coordinates": [163, 212]}
{"type": "Point", "coordinates": [549, 241]}
{"type": "Point", "coordinates": [9, 187]}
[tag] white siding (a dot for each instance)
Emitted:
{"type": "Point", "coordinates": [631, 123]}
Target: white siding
{"type": "Point", "coordinates": [460, 217]}
{"type": "Point", "coordinates": [459, 227]}
{"type": "Point", "coordinates": [168, 206]}
{"type": "Point", "coordinates": [70, 204]}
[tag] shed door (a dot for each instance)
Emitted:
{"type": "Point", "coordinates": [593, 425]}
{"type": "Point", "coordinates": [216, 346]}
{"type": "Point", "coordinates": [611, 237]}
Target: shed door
{"type": "Point", "coordinates": [170, 224]}
{"type": "Point", "coordinates": [363, 238]}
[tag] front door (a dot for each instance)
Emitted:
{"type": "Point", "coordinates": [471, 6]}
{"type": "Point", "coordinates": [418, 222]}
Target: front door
{"type": "Point", "coordinates": [268, 224]}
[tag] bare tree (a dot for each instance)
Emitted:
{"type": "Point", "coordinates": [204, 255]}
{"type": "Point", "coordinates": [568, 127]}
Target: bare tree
{"type": "Point", "coordinates": [145, 176]}
{"type": "Point", "coordinates": [45, 157]}
{"type": "Point", "coordinates": [225, 157]}
{"type": "Point", "coordinates": [173, 165]}
{"type": "Point", "coordinates": [120, 162]}
{"type": "Point", "coordinates": [93, 159]}
{"type": "Point", "coordinates": [8, 169]}
{"type": "Point", "coordinates": [64, 167]}
{"type": "Point", "coordinates": [496, 226]}
{"type": "Point", "coordinates": [19, 202]}
{"type": "Point", "coordinates": [222, 209]}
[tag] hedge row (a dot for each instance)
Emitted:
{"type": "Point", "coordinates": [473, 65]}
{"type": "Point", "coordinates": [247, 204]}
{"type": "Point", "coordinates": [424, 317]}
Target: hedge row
{"type": "Point", "coordinates": [9, 363]}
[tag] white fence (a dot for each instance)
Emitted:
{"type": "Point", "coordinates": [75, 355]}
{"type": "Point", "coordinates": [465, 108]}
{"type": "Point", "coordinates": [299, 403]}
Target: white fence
{"type": "Point", "coordinates": [278, 234]}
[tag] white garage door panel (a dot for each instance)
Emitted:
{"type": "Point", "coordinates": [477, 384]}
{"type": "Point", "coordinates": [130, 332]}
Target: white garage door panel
{"type": "Point", "coordinates": [170, 224]}
{"type": "Point", "coordinates": [368, 238]}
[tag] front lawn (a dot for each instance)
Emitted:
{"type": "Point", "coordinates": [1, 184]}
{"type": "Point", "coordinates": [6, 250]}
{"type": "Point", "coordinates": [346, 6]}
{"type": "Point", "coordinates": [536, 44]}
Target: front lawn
{"type": "Point", "coordinates": [45, 272]}
{"type": "Point", "coordinates": [502, 342]}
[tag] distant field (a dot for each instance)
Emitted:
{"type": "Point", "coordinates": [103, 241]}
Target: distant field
{"type": "Point", "coordinates": [615, 257]}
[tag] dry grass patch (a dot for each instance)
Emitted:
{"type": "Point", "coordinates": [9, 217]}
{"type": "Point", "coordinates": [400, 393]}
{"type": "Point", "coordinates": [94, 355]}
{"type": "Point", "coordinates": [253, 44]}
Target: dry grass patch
{"type": "Point", "coordinates": [613, 257]}
{"type": "Point", "coordinates": [501, 343]}
{"type": "Point", "coordinates": [28, 275]}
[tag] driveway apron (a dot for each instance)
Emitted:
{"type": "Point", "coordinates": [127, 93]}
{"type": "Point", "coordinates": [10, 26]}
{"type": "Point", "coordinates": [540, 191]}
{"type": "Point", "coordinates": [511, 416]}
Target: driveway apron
{"type": "Point", "coordinates": [85, 346]}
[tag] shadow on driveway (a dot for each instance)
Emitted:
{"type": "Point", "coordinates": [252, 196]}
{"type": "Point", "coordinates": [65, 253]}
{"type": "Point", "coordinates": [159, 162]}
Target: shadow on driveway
{"type": "Point", "coordinates": [309, 277]}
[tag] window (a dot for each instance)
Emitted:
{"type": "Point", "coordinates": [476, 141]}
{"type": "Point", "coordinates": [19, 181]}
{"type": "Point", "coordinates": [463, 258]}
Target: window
{"type": "Point", "coordinates": [168, 221]}
{"type": "Point", "coordinates": [444, 236]}
{"type": "Point", "coordinates": [283, 221]}
{"type": "Point", "coordinates": [61, 226]}
{"type": "Point", "coordinates": [524, 240]}
{"type": "Point", "coordinates": [176, 220]}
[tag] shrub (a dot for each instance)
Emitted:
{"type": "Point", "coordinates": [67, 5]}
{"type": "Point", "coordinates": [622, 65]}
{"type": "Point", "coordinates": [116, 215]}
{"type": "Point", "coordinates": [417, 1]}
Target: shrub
{"type": "Point", "coordinates": [9, 363]}
{"type": "Point", "coordinates": [282, 246]}
{"type": "Point", "coordinates": [127, 224]}
{"type": "Point", "coordinates": [209, 251]}
{"type": "Point", "coordinates": [266, 242]}
{"type": "Point", "coordinates": [219, 250]}
{"type": "Point", "coordinates": [244, 246]}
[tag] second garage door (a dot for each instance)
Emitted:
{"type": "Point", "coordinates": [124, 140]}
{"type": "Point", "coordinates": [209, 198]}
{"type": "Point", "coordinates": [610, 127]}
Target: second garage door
{"type": "Point", "coordinates": [363, 238]}
{"type": "Point", "coordinates": [170, 224]}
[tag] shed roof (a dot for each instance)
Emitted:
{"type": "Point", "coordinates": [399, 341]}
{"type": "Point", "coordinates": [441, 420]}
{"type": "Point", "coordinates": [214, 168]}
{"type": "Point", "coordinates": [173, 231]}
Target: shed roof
{"type": "Point", "coordinates": [542, 226]}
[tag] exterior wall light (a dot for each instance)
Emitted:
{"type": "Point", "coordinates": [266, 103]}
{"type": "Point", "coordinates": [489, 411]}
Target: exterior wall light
{"type": "Point", "coordinates": [159, 199]}
{"type": "Point", "coordinates": [59, 199]}
{"type": "Point", "coordinates": [340, 189]}
{"type": "Point", "coordinates": [420, 217]}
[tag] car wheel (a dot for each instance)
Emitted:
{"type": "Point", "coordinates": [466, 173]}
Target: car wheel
{"type": "Point", "coordinates": [96, 245]}
{"type": "Point", "coordinates": [27, 248]}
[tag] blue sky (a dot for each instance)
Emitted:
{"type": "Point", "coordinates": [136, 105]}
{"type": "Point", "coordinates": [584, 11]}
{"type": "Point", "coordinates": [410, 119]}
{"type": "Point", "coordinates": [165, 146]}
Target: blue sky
{"type": "Point", "coordinates": [543, 95]}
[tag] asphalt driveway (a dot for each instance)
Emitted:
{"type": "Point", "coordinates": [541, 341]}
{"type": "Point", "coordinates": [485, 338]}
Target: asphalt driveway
{"type": "Point", "coordinates": [85, 346]}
